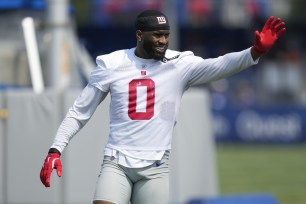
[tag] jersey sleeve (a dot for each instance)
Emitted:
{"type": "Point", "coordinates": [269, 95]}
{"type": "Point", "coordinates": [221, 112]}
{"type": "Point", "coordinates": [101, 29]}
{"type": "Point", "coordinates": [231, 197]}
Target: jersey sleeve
{"type": "Point", "coordinates": [100, 76]}
{"type": "Point", "coordinates": [78, 115]}
{"type": "Point", "coordinates": [200, 71]}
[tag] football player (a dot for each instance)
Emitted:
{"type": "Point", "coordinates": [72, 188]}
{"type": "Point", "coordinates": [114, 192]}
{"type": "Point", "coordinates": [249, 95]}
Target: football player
{"type": "Point", "coordinates": [146, 84]}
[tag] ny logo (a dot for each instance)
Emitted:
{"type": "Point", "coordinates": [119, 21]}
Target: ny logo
{"type": "Point", "coordinates": [143, 73]}
{"type": "Point", "coordinates": [161, 20]}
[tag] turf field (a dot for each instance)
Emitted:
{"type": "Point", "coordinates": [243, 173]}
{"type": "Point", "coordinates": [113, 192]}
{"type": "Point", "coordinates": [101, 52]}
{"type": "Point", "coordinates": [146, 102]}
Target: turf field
{"type": "Point", "coordinates": [276, 169]}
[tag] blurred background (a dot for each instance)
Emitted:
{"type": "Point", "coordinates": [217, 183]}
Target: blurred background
{"type": "Point", "coordinates": [258, 116]}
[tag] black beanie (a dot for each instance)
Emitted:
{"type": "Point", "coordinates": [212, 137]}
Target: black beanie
{"type": "Point", "coordinates": [151, 20]}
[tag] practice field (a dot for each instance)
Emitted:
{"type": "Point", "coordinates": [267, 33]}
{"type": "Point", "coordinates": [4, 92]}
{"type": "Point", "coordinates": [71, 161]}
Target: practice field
{"type": "Point", "coordinates": [276, 169]}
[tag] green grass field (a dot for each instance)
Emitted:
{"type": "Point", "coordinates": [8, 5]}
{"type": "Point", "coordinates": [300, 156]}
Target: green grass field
{"type": "Point", "coordinates": [276, 169]}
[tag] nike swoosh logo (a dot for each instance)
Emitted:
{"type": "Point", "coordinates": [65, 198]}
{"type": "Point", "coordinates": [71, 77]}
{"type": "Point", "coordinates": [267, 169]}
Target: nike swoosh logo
{"type": "Point", "coordinates": [157, 164]}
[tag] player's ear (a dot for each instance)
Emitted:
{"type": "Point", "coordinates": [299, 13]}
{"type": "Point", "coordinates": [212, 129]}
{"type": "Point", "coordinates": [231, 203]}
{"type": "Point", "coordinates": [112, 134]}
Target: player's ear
{"type": "Point", "coordinates": [139, 35]}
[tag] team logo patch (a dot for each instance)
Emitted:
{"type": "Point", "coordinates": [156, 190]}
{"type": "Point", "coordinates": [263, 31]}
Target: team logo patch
{"type": "Point", "coordinates": [161, 20]}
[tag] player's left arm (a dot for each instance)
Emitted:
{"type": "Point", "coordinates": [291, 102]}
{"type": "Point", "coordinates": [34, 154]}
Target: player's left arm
{"type": "Point", "coordinates": [266, 38]}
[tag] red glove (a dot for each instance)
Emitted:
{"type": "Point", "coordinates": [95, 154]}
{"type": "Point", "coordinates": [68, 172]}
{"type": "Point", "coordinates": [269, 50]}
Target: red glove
{"type": "Point", "coordinates": [271, 31]}
{"type": "Point", "coordinates": [52, 161]}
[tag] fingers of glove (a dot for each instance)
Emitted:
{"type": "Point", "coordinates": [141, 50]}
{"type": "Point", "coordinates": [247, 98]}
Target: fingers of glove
{"type": "Point", "coordinates": [274, 23]}
{"type": "Point", "coordinates": [58, 167]}
{"type": "Point", "coordinates": [47, 182]}
{"type": "Point", "coordinates": [280, 29]}
{"type": "Point", "coordinates": [280, 32]}
{"type": "Point", "coordinates": [257, 36]}
{"type": "Point", "coordinates": [45, 175]}
{"type": "Point", "coordinates": [46, 171]}
{"type": "Point", "coordinates": [268, 23]}
{"type": "Point", "coordinates": [279, 26]}
{"type": "Point", "coordinates": [42, 177]}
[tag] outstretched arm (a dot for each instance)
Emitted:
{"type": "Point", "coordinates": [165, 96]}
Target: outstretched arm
{"type": "Point", "coordinates": [265, 39]}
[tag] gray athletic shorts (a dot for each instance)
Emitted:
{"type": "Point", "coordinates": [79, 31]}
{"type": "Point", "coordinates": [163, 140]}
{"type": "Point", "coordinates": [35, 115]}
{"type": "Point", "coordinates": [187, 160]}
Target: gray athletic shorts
{"type": "Point", "coordinates": [121, 185]}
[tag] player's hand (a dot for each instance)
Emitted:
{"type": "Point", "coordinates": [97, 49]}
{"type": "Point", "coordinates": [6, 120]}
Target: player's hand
{"type": "Point", "coordinates": [52, 161]}
{"type": "Point", "coordinates": [271, 31]}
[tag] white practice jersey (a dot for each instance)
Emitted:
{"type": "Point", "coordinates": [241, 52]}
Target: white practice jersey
{"type": "Point", "coordinates": [145, 96]}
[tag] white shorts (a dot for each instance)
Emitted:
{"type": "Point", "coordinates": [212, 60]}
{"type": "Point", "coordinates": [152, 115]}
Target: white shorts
{"type": "Point", "coordinates": [121, 185]}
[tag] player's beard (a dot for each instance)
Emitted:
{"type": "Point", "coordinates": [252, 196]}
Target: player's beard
{"type": "Point", "coordinates": [149, 47]}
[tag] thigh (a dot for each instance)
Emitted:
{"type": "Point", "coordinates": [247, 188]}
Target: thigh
{"type": "Point", "coordinates": [154, 186]}
{"type": "Point", "coordinates": [151, 191]}
{"type": "Point", "coordinates": [112, 184]}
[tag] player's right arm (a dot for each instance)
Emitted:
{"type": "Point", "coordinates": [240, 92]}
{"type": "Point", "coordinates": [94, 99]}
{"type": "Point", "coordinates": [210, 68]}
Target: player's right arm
{"type": "Point", "coordinates": [77, 116]}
